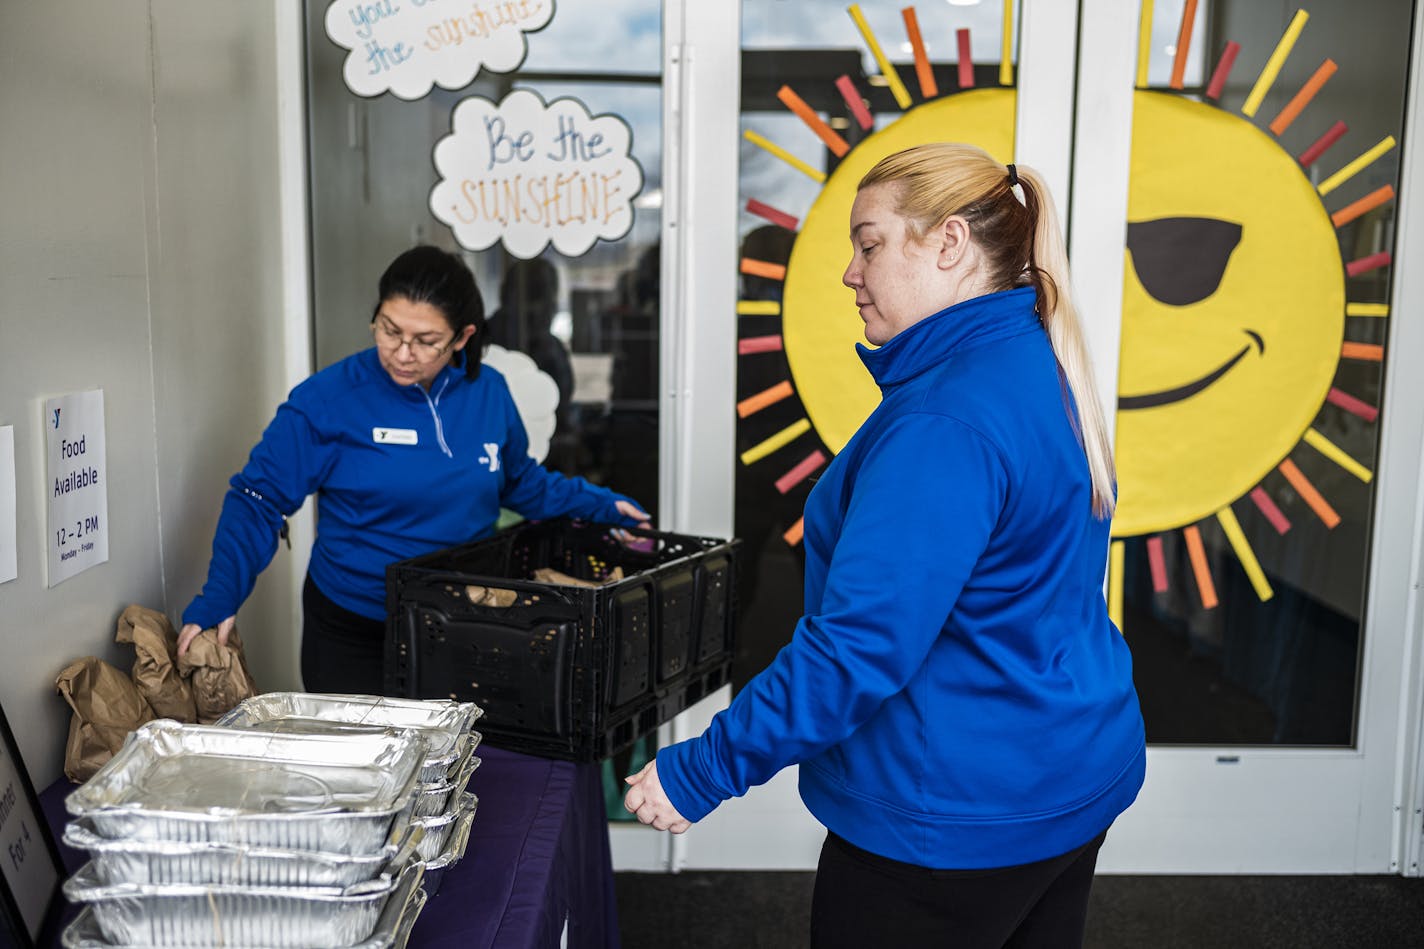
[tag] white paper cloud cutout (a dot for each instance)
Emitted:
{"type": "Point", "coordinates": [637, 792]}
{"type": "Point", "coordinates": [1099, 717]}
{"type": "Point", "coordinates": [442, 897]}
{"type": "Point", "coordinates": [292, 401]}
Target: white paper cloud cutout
{"type": "Point", "coordinates": [536, 395]}
{"type": "Point", "coordinates": [407, 46]}
{"type": "Point", "coordinates": [529, 174]}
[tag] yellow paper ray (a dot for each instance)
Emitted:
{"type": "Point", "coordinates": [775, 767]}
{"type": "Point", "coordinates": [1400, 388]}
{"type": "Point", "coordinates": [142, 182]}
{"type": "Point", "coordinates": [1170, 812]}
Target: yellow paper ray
{"type": "Point", "coordinates": [1006, 65]}
{"type": "Point", "coordinates": [1355, 167]}
{"type": "Point", "coordinates": [1336, 454]}
{"type": "Point", "coordinates": [1274, 64]}
{"type": "Point", "coordinates": [780, 440]}
{"type": "Point", "coordinates": [1227, 518]}
{"type": "Point", "coordinates": [1144, 43]}
{"type": "Point", "coordinates": [1115, 567]}
{"type": "Point", "coordinates": [758, 307]}
{"type": "Point", "coordinates": [790, 159]}
{"type": "Point", "coordinates": [887, 69]}
{"type": "Point", "coordinates": [1367, 309]}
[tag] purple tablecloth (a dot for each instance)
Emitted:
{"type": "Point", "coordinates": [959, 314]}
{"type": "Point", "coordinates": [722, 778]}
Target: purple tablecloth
{"type": "Point", "coordinates": [538, 858]}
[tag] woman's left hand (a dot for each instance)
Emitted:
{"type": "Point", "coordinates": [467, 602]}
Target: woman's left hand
{"type": "Point", "coordinates": [647, 801]}
{"type": "Point", "coordinates": [629, 509]}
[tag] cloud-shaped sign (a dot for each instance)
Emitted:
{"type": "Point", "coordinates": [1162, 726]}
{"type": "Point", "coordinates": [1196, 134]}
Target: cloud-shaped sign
{"type": "Point", "coordinates": [535, 394]}
{"type": "Point", "coordinates": [408, 45]}
{"type": "Point", "coordinates": [529, 174]}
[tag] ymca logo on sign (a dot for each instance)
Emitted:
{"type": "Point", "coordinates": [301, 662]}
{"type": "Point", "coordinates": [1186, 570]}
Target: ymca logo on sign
{"type": "Point", "coordinates": [491, 456]}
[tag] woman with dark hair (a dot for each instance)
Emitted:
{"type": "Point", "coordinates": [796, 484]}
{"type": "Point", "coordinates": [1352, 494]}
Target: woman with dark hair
{"type": "Point", "coordinates": [959, 702]}
{"type": "Point", "coordinates": [409, 447]}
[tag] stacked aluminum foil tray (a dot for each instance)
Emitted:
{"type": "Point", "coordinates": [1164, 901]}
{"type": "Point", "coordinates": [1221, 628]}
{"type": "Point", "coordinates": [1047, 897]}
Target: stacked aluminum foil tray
{"type": "Point", "coordinates": [210, 836]}
{"type": "Point", "coordinates": [442, 808]}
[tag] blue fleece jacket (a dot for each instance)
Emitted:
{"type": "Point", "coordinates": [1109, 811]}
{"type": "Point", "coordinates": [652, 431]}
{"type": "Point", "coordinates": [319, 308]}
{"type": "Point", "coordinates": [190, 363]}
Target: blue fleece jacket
{"type": "Point", "coordinates": [398, 472]}
{"type": "Point", "coordinates": [955, 693]}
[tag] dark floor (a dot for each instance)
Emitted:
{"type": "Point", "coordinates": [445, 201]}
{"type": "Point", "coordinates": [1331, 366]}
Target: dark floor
{"type": "Point", "coordinates": [769, 911]}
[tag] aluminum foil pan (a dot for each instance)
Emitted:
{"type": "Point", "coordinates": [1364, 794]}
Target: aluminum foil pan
{"type": "Point", "coordinates": [218, 915]}
{"type": "Point", "coordinates": [440, 830]}
{"type": "Point", "coordinates": [442, 722]}
{"type": "Point", "coordinates": [332, 793]}
{"type": "Point", "coordinates": [432, 800]}
{"type": "Point", "coordinates": [455, 845]}
{"type": "Point", "coordinates": [164, 861]}
{"type": "Point", "coordinates": [392, 930]}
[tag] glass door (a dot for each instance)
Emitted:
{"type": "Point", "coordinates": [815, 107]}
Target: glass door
{"type": "Point", "coordinates": [1256, 397]}
{"type": "Point", "coordinates": [1239, 193]}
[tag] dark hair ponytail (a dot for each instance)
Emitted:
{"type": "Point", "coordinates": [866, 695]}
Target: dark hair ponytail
{"type": "Point", "coordinates": [427, 274]}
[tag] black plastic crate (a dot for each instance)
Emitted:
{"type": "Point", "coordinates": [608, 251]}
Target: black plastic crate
{"type": "Point", "coordinates": [564, 671]}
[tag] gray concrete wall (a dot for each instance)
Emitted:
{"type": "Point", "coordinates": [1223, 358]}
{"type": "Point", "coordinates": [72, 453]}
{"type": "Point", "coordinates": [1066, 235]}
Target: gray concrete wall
{"type": "Point", "coordinates": [139, 254]}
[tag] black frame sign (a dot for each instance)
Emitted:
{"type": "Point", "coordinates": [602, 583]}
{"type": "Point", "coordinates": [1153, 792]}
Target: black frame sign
{"type": "Point", "coordinates": [30, 864]}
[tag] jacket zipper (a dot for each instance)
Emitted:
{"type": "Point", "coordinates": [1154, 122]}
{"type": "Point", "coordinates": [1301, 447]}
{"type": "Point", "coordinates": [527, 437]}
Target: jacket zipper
{"type": "Point", "coordinates": [439, 429]}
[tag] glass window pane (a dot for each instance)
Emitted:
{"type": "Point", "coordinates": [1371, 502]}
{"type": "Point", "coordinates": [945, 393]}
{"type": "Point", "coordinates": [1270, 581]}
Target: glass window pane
{"type": "Point", "coordinates": [1248, 419]}
{"type": "Point", "coordinates": [590, 322]}
{"type": "Point", "coordinates": [801, 389]}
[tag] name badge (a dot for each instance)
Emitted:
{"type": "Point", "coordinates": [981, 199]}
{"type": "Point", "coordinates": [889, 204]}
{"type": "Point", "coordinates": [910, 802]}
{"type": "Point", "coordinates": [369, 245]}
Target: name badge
{"type": "Point", "coordinates": [394, 436]}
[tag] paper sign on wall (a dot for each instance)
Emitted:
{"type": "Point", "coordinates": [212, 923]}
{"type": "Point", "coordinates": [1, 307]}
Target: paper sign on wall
{"type": "Point", "coordinates": [76, 484]}
{"type": "Point", "coordinates": [407, 46]}
{"type": "Point", "coordinates": [532, 174]}
{"type": "Point", "coordinates": [9, 563]}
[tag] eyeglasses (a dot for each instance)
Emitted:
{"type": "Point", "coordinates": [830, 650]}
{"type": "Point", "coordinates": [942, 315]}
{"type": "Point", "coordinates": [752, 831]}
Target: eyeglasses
{"type": "Point", "coordinates": [389, 338]}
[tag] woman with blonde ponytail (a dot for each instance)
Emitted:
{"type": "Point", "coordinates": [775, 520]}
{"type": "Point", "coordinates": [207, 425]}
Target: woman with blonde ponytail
{"type": "Point", "coordinates": [959, 702]}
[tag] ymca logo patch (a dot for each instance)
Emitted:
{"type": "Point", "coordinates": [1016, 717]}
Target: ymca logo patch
{"type": "Point", "coordinates": [394, 436]}
{"type": "Point", "coordinates": [490, 459]}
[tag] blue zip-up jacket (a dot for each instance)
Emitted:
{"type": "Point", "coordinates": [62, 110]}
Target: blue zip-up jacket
{"type": "Point", "coordinates": [955, 693]}
{"type": "Point", "coordinates": [398, 472]}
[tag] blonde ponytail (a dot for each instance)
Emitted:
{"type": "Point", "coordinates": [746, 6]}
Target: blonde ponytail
{"type": "Point", "coordinates": [1049, 256]}
{"type": "Point", "coordinates": [1024, 244]}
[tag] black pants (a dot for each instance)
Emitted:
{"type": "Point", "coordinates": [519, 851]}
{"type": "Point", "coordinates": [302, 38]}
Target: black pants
{"type": "Point", "coordinates": [342, 651]}
{"type": "Point", "coordinates": [863, 900]}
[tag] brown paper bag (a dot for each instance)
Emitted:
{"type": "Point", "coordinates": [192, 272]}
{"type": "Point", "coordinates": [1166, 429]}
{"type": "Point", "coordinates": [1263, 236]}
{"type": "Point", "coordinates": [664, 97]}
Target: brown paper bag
{"type": "Point", "coordinates": [106, 705]}
{"type": "Point", "coordinates": [550, 575]}
{"type": "Point", "coordinates": [155, 643]}
{"type": "Point", "coordinates": [491, 596]}
{"type": "Point", "coordinates": [217, 674]}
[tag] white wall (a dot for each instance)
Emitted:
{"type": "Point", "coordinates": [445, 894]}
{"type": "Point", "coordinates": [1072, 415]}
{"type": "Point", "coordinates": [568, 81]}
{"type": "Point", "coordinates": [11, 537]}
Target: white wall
{"type": "Point", "coordinates": [139, 253]}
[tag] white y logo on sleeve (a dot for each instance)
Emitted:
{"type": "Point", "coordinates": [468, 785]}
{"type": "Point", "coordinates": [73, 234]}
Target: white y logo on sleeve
{"type": "Point", "coordinates": [491, 456]}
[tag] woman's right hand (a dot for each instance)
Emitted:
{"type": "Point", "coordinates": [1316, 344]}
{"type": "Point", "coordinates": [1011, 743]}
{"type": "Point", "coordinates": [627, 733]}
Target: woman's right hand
{"type": "Point", "coordinates": [191, 630]}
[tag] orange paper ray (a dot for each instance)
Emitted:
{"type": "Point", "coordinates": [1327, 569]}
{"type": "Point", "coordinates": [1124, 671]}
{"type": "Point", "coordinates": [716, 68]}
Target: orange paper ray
{"type": "Point", "coordinates": [755, 403]}
{"type": "Point", "coordinates": [1184, 42]}
{"type": "Point", "coordinates": [1308, 494]}
{"type": "Point", "coordinates": [806, 114]}
{"type": "Point", "coordinates": [1368, 203]}
{"type": "Point", "coordinates": [1197, 553]}
{"type": "Point", "coordinates": [793, 533]}
{"type": "Point", "coordinates": [1302, 98]}
{"type": "Point", "coordinates": [928, 88]}
{"type": "Point", "coordinates": [763, 268]}
{"type": "Point", "coordinates": [1368, 352]}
